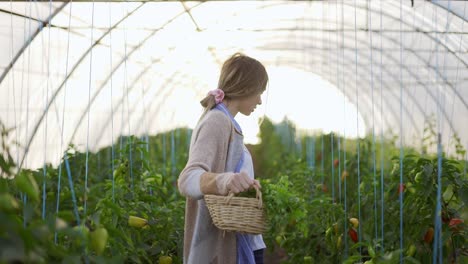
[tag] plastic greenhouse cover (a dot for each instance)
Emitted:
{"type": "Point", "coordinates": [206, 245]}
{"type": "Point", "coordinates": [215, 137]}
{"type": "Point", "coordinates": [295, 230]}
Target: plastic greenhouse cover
{"type": "Point", "coordinates": [141, 67]}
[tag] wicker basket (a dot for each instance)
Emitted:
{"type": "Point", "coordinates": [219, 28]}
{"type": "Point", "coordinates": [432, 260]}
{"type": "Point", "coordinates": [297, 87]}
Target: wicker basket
{"type": "Point", "coordinates": [239, 214]}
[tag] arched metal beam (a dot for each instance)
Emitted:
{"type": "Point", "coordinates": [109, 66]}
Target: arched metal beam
{"type": "Point", "coordinates": [168, 81]}
{"type": "Point", "coordinates": [103, 84]}
{"type": "Point", "coordinates": [82, 58]}
{"type": "Point", "coordinates": [351, 74]}
{"type": "Point", "coordinates": [54, 95]}
{"type": "Point", "coordinates": [427, 64]}
{"type": "Point", "coordinates": [407, 70]}
{"type": "Point", "coordinates": [413, 122]}
{"type": "Point", "coordinates": [437, 3]}
{"type": "Point", "coordinates": [349, 97]}
{"type": "Point", "coordinates": [158, 108]}
{"type": "Point", "coordinates": [388, 73]}
{"type": "Point", "coordinates": [31, 38]}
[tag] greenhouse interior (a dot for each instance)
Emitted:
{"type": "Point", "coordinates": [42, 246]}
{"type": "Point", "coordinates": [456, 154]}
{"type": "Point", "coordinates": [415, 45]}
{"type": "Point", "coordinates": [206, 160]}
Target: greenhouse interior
{"type": "Point", "coordinates": [358, 141]}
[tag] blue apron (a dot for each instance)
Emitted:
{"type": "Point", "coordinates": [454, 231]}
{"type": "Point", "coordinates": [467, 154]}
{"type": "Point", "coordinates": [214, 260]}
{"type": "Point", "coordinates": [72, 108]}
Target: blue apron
{"type": "Point", "coordinates": [245, 253]}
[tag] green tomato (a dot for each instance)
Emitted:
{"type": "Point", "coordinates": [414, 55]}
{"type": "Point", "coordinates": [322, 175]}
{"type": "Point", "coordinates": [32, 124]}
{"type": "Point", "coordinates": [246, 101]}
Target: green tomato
{"type": "Point", "coordinates": [411, 250]}
{"type": "Point", "coordinates": [117, 173]}
{"type": "Point", "coordinates": [278, 239]}
{"type": "Point", "coordinates": [419, 177]}
{"type": "Point", "coordinates": [165, 260]}
{"type": "Point", "coordinates": [319, 187]}
{"type": "Point", "coordinates": [339, 242]}
{"type": "Point", "coordinates": [99, 240]}
{"type": "Point", "coordinates": [362, 187]}
{"type": "Point", "coordinates": [8, 203]}
{"type": "Point", "coordinates": [82, 234]}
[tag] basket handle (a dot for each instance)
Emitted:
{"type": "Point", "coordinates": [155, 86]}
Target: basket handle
{"type": "Point", "coordinates": [258, 197]}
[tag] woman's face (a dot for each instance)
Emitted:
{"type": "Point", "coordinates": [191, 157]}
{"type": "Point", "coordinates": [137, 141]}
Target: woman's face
{"type": "Point", "coordinates": [248, 104]}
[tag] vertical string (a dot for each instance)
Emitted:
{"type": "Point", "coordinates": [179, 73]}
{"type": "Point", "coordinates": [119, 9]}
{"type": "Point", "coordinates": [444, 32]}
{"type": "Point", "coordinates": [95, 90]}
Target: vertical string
{"type": "Point", "coordinates": [401, 134]}
{"type": "Point", "coordinates": [112, 103]}
{"type": "Point", "coordinates": [189, 136]}
{"type": "Point", "coordinates": [339, 168]}
{"type": "Point", "coordinates": [437, 244]}
{"type": "Point", "coordinates": [308, 152]}
{"type": "Point", "coordinates": [177, 143]}
{"type": "Point", "coordinates": [22, 82]}
{"type": "Point", "coordinates": [322, 71]}
{"type": "Point", "coordinates": [127, 97]}
{"type": "Point", "coordinates": [146, 132]}
{"type": "Point", "coordinates": [63, 119]}
{"type": "Point", "coordinates": [444, 77]}
{"type": "Point", "coordinates": [123, 102]}
{"type": "Point", "coordinates": [465, 161]}
{"type": "Point", "coordinates": [172, 154]}
{"type": "Point", "coordinates": [322, 158]}
{"type": "Point", "coordinates": [143, 93]}
{"type": "Point", "coordinates": [374, 183]}
{"type": "Point", "coordinates": [357, 124]}
{"type": "Point", "coordinates": [25, 198]}
{"type": "Point", "coordinates": [426, 119]}
{"type": "Point", "coordinates": [13, 82]}
{"type": "Point", "coordinates": [458, 67]}
{"type": "Point", "coordinates": [345, 238]}
{"type": "Point", "coordinates": [382, 203]}
{"type": "Point", "coordinates": [72, 189]}
{"type": "Point", "coordinates": [164, 153]}
{"type": "Point", "coordinates": [338, 86]}
{"type": "Point", "coordinates": [332, 167]}
{"type": "Point", "coordinates": [413, 38]}
{"type": "Point", "coordinates": [313, 153]}
{"type": "Point", "coordinates": [44, 180]}
{"type": "Point", "coordinates": [329, 71]}
{"type": "Point", "coordinates": [85, 198]}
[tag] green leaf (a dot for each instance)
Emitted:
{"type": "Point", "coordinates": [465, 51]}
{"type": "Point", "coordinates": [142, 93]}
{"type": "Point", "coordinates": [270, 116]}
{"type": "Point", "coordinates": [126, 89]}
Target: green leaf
{"type": "Point", "coordinates": [463, 194]}
{"type": "Point", "coordinates": [27, 184]}
{"type": "Point", "coordinates": [371, 251]}
{"type": "Point", "coordinates": [352, 259]}
{"type": "Point", "coordinates": [412, 260]}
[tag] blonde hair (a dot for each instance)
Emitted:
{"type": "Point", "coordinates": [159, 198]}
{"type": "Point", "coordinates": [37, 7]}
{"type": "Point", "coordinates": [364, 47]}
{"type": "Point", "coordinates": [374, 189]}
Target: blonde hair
{"type": "Point", "coordinates": [241, 76]}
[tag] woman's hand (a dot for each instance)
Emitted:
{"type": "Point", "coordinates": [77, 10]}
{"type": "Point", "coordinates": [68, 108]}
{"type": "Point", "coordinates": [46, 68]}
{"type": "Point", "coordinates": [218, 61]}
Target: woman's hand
{"type": "Point", "coordinates": [236, 183]}
{"type": "Point", "coordinates": [240, 182]}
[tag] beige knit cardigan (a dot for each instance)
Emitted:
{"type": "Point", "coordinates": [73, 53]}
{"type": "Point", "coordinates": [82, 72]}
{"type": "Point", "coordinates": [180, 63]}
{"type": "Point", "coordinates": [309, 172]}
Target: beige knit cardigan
{"type": "Point", "coordinates": [215, 149]}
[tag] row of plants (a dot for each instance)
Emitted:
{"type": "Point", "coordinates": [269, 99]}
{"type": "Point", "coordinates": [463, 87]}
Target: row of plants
{"type": "Point", "coordinates": [121, 204]}
{"type": "Point", "coordinates": [125, 210]}
{"type": "Point", "coordinates": [350, 211]}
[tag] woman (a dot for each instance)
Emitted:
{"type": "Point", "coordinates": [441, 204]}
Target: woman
{"type": "Point", "coordinates": [220, 163]}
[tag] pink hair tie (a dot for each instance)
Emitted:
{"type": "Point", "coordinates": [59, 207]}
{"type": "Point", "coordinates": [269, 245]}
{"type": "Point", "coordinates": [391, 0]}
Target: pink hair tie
{"type": "Point", "coordinates": [218, 95]}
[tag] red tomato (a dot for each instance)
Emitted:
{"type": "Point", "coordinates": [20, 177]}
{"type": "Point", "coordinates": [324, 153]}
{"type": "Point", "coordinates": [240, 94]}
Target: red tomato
{"type": "Point", "coordinates": [429, 235]}
{"type": "Point", "coordinates": [401, 188]}
{"type": "Point", "coordinates": [353, 234]}
{"type": "Point", "coordinates": [445, 217]}
{"type": "Point", "coordinates": [336, 162]}
{"type": "Point", "coordinates": [319, 157]}
{"type": "Point", "coordinates": [324, 188]}
{"type": "Point", "coordinates": [455, 221]}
